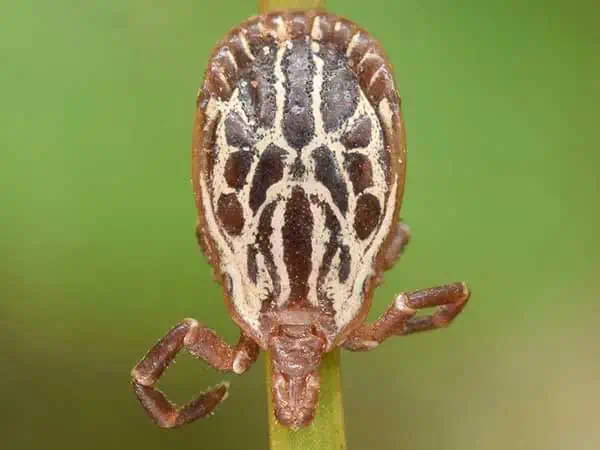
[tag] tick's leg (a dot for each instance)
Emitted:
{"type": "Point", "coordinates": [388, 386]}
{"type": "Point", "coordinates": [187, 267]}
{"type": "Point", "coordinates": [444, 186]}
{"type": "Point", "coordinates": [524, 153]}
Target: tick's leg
{"type": "Point", "coordinates": [397, 245]}
{"type": "Point", "coordinates": [202, 343]}
{"type": "Point", "coordinates": [399, 320]}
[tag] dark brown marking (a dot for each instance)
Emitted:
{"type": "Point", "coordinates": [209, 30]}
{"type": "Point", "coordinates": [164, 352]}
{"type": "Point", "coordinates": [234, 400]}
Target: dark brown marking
{"type": "Point", "coordinates": [383, 86]}
{"type": "Point", "coordinates": [257, 87]}
{"type": "Point", "coordinates": [341, 37]}
{"type": "Point", "coordinates": [297, 244]}
{"type": "Point", "coordinates": [237, 131]}
{"type": "Point", "coordinates": [208, 141]}
{"type": "Point", "coordinates": [366, 215]}
{"type": "Point", "coordinates": [223, 60]}
{"type": "Point", "coordinates": [221, 84]}
{"type": "Point", "coordinates": [340, 90]}
{"type": "Point", "coordinates": [263, 241]}
{"type": "Point", "coordinates": [298, 24]}
{"type": "Point", "coordinates": [368, 68]}
{"type": "Point", "coordinates": [359, 135]}
{"type": "Point", "coordinates": [329, 174]}
{"type": "Point", "coordinates": [362, 43]}
{"type": "Point", "coordinates": [272, 23]}
{"type": "Point", "coordinates": [325, 27]}
{"type": "Point", "coordinates": [297, 170]}
{"type": "Point", "coordinates": [268, 172]}
{"type": "Point", "coordinates": [239, 53]}
{"type": "Point", "coordinates": [248, 94]}
{"type": "Point", "coordinates": [252, 265]}
{"type": "Point", "coordinates": [298, 120]}
{"type": "Point", "coordinates": [237, 168]}
{"type": "Point", "coordinates": [359, 170]}
{"type": "Point", "coordinates": [331, 247]}
{"type": "Point", "coordinates": [345, 262]}
{"type": "Point", "coordinates": [265, 86]}
{"type": "Point", "coordinates": [230, 213]}
{"type": "Point", "coordinates": [257, 39]}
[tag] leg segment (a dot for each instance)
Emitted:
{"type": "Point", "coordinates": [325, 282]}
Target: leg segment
{"type": "Point", "coordinates": [202, 343]}
{"type": "Point", "coordinates": [399, 320]}
{"type": "Point", "coordinates": [396, 247]}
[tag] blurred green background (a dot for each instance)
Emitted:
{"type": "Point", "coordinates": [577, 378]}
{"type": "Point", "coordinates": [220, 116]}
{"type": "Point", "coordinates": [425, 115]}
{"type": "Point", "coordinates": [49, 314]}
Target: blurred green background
{"type": "Point", "coordinates": [99, 259]}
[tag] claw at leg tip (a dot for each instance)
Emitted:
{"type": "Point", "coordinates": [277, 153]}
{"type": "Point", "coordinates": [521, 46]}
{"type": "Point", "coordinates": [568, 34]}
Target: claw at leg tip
{"type": "Point", "coordinates": [218, 393]}
{"type": "Point", "coordinates": [223, 384]}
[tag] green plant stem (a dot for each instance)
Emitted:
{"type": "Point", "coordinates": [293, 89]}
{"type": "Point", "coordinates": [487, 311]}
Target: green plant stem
{"type": "Point", "coordinates": [326, 432]}
{"type": "Point", "coordinates": [270, 5]}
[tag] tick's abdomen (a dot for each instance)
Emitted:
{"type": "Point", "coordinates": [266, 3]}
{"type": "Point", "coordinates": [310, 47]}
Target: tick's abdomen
{"type": "Point", "coordinates": [299, 182]}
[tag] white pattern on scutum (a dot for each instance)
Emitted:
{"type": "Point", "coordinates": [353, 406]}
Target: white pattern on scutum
{"type": "Point", "coordinates": [245, 46]}
{"type": "Point", "coordinates": [319, 236]}
{"type": "Point", "coordinates": [316, 33]}
{"type": "Point", "coordinates": [346, 297]}
{"type": "Point", "coordinates": [277, 223]}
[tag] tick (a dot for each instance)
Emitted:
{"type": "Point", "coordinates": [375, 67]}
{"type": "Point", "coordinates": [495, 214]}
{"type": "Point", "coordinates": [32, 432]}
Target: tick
{"type": "Point", "coordinates": [298, 168]}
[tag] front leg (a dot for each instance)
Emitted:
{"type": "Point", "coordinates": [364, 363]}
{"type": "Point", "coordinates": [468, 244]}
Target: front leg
{"type": "Point", "coordinates": [202, 343]}
{"type": "Point", "coordinates": [399, 320]}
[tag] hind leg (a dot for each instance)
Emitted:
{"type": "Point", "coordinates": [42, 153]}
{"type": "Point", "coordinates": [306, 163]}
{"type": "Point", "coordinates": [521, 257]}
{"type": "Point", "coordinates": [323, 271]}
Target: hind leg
{"type": "Point", "coordinates": [202, 343]}
{"type": "Point", "coordinates": [449, 300]}
{"type": "Point", "coordinates": [397, 245]}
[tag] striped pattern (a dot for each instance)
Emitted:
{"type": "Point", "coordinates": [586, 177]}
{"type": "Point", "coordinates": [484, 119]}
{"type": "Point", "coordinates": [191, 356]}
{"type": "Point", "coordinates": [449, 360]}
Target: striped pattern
{"type": "Point", "coordinates": [297, 187]}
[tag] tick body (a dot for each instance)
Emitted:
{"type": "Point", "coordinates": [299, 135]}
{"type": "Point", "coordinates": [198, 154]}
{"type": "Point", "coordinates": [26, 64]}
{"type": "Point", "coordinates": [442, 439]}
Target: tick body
{"type": "Point", "coordinates": [298, 168]}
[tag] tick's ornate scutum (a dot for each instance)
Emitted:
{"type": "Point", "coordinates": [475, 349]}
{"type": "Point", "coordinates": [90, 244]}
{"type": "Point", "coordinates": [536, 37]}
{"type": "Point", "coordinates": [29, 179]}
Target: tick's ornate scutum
{"type": "Point", "coordinates": [298, 170]}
